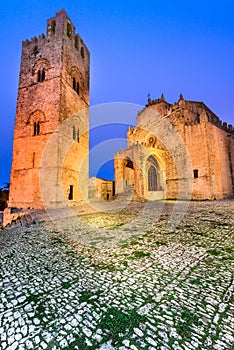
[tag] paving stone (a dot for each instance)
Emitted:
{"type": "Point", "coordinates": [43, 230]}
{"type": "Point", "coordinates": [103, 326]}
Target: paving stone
{"type": "Point", "coordinates": [13, 346]}
{"type": "Point", "coordinates": [159, 287]}
{"type": "Point", "coordinates": [126, 343]}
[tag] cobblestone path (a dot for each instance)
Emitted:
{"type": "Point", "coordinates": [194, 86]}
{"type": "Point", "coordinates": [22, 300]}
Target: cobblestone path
{"type": "Point", "coordinates": [120, 281]}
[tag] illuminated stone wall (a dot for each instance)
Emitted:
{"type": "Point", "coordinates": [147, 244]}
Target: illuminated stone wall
{"type": "Point", "coordinates": [53, 86]}
{"type": "Point", "coordinates": [167, 132]}
{"type": "Point", "coordinates": [100, 188]}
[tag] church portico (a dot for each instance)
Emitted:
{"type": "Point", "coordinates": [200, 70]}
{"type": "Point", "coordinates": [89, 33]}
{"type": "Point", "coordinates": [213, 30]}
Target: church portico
{"type": "Point", "coordinates": [140, 168]}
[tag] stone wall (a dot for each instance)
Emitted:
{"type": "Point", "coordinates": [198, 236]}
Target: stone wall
{"type": "Point", "coordinates": [101, 188]}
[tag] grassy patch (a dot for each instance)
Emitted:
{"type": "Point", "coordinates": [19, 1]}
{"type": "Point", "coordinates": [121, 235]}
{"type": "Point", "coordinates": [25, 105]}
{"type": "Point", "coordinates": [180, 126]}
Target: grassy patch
{"type": "Point", "coordinates": [196, 281]}
{"type": "Point", "coordinates": [66, 284]}
{"type": "Point", "coordinates": [140, 254]}
{"type": "Point", "coordinates": [184, 325]}
{"type": "Point", "coordinates": [33, 298]}
{"type": "Point", "coordinates": [161, 242]}
{"type": "Point", "coordinates": [103, 266]}
{"type": "Point", "coordinates": [40, 311]}
{"type": "Point", "coordinates": [128, 244]}
{"type": "Point", "coordinates": [213, 252]}
{"type": "Point", "coordinates": [88, 296]}
{"type": "Point", "coordinates": [120, 324]}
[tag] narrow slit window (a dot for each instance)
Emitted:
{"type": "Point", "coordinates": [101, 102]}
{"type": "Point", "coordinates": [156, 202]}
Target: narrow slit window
{"type": "Point", "coordinates": [78, 135]}
{"type": "Point", "coordinates": [43, 75]}
{"type": "Point", "coordinates": [69, 30]}
{"type": "Point", "coordinates": [33, 160]}
{"type": "Point", "coordinates": [35, 128]}
{"type": "Point", "coordinates": [53, 26]}
{"type": "Point", "coordinates": [74, 83]}
{"type": "Point", "coordinates": [195, 173]}
{"type": "Point", "coordinates": [76, 42]}
{"type": "Point", "coordinates": [39, 76]}
{"type": "Point", "coordinates": [70, 194]}
{"type": "Point", "coordinates": [74, 133]}
{"type": "Point", "coordinates": [38, 128]}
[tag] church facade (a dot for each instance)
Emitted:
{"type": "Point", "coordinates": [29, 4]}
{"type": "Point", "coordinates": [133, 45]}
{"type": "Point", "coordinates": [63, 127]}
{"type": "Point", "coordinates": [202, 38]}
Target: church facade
{"type": "Point", "coordinates": [179, 150]}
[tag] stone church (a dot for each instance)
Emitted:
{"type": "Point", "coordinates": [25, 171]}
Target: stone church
{"type": "Point", "coordinates": [192, 155]}
{"type": "Point", "coordinates": [179, 150]}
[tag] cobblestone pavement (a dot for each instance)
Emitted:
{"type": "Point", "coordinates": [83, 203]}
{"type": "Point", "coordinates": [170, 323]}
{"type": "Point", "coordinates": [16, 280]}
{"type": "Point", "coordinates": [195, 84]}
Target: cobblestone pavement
{"type": "Point", "coordinates": [120, 281]}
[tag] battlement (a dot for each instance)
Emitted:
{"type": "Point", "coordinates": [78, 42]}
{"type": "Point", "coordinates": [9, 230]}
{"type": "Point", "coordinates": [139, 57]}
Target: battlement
{"type": "Point", "coordinates": [193, 107]}
{"type": "Point", "coordinates": [60, 27]}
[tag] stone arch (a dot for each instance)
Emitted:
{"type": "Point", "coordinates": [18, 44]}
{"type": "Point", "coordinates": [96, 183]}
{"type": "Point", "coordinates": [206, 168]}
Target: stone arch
{"type": "Point", "coordinates": [76, 80]}
{"type": "Point", "coordinates": [36, 119]}
{"type": "Point", "coordinates": [40, 69]}
{"type": "Point", "coordinates": [128, 163]}
{"type": "Point", "coordinates": [128, 172]}
{"type": "Point", "coordinates": [36, 115]}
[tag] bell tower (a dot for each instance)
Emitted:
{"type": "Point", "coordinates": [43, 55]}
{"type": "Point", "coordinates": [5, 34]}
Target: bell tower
{"type": "Point", "coordinates": [53, 87]}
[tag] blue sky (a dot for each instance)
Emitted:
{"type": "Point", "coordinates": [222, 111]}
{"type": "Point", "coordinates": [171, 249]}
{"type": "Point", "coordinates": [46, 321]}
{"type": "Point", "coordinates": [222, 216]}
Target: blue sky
{"type": "Point", "coordinates": [137, 47]}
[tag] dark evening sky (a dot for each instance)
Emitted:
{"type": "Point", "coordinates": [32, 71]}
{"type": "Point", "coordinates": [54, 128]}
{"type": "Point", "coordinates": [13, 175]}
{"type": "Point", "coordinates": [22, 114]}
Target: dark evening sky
{"type": "Point", "coordinates": [137, 47]}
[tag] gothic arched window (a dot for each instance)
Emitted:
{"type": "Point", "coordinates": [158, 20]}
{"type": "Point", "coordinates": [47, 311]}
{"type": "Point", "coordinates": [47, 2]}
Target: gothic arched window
{"type": "Point", "coordinates": [129, 163]}
{"type": "Point", "coordinates": [36, 120]}
{"type": "Point", "coordinates": [76, 85]}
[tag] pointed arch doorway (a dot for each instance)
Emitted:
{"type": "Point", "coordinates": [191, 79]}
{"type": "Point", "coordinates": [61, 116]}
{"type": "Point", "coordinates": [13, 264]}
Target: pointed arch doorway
{"type": "Point", "coordinates": [155, 179]}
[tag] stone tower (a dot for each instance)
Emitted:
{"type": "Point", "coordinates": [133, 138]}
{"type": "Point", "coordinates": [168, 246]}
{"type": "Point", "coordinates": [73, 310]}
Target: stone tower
{"type": "Point", "coordinates": [53, 88]}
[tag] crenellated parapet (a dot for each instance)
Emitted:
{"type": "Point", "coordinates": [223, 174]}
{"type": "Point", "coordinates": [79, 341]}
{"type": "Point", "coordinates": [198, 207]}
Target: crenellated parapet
{"type": "Point", "coordinates": [184, 112]}
{"type": "Point", "coordinates": [60, 28]}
